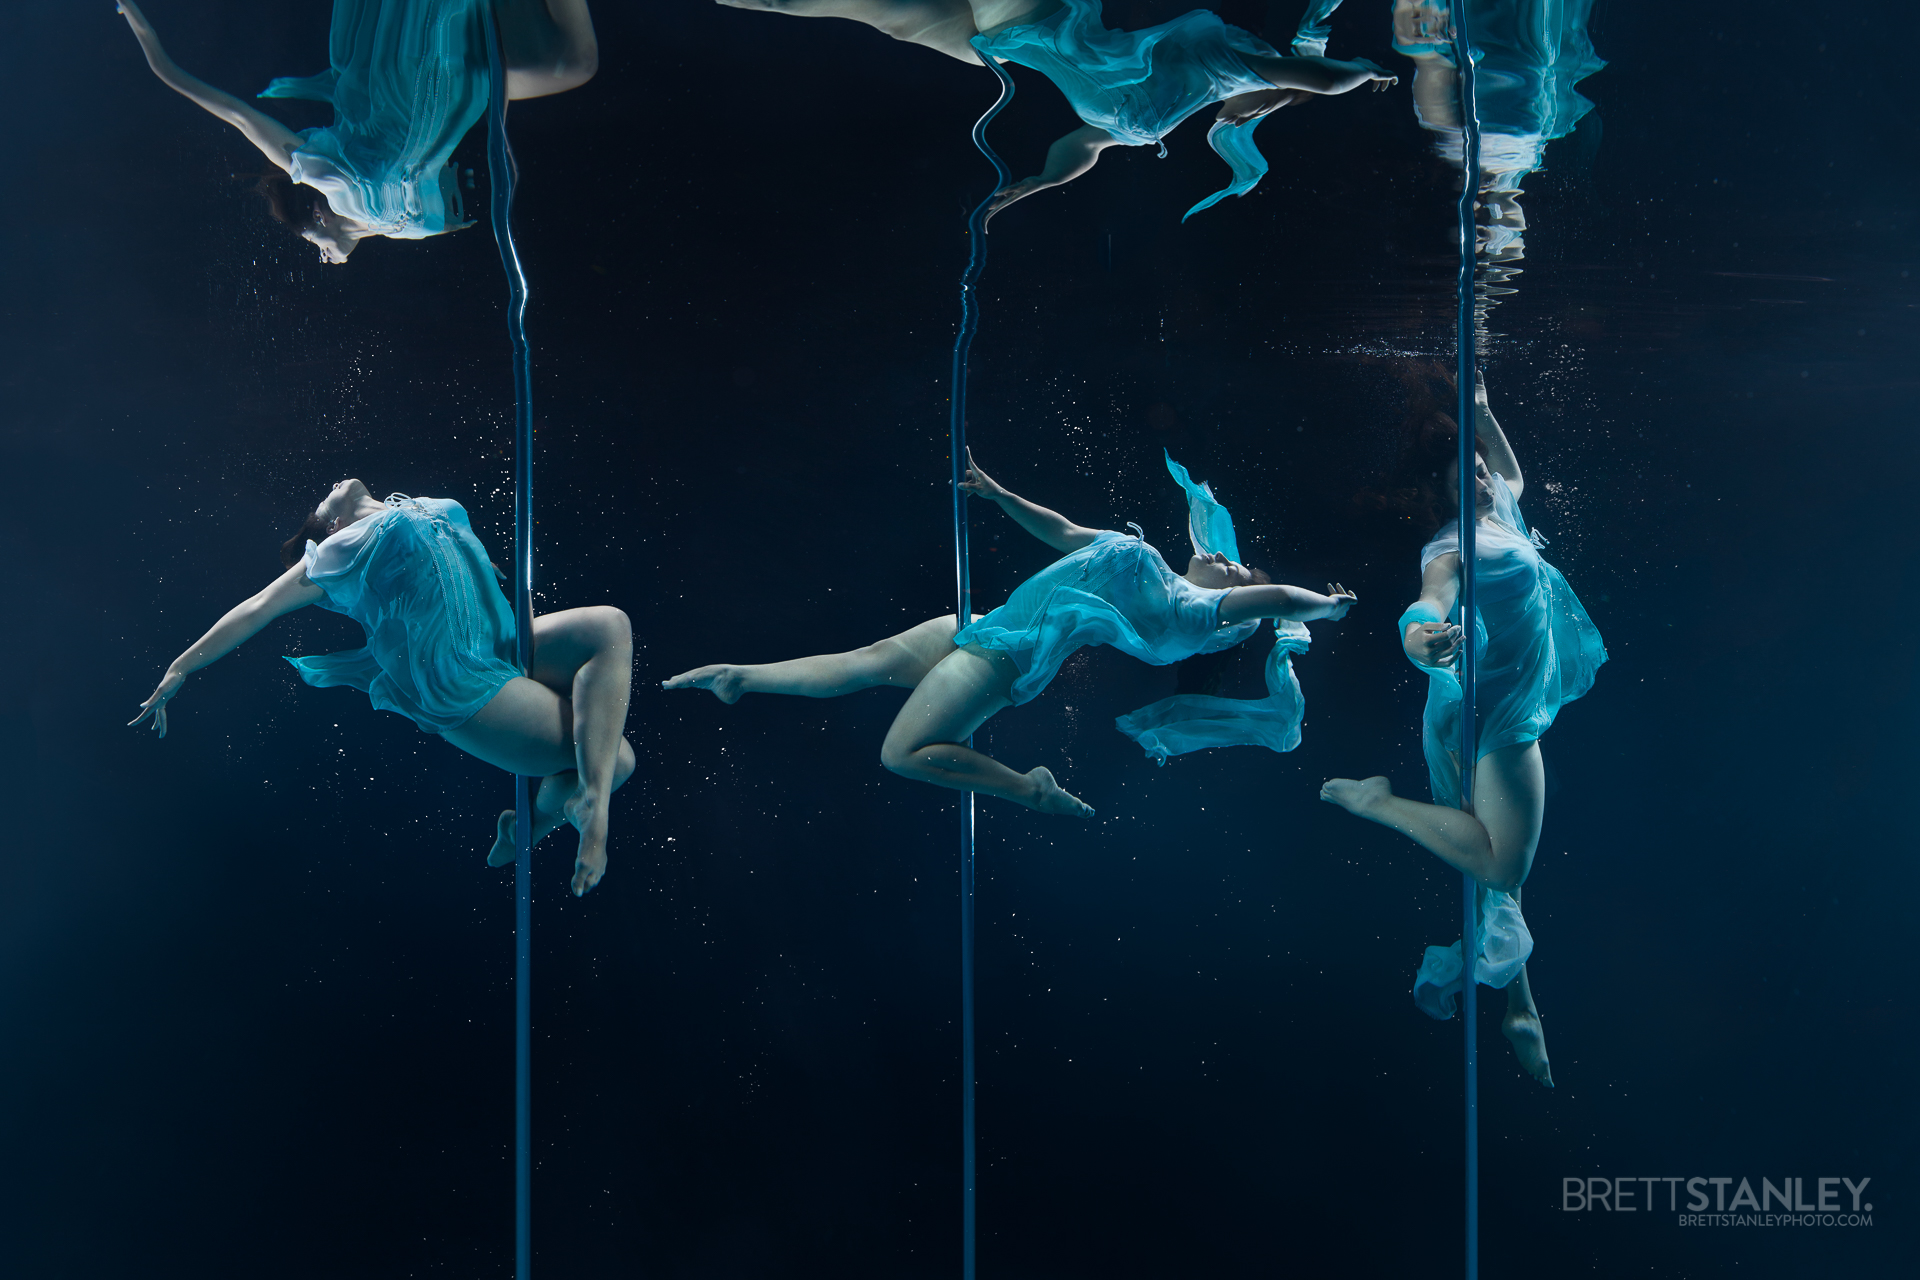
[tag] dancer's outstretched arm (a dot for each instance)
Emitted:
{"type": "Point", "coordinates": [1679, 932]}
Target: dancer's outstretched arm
{"type": "Point", "coordinates": [1050, 527]}
{"type": "Point", "coordinates": [276, 142]}
{"type": "Point", "coordinates": [1493, 441]}
{"type": "Point", "coordinates": [1289, 604]}
{"type": "Point", "coordinates": [291, 590]}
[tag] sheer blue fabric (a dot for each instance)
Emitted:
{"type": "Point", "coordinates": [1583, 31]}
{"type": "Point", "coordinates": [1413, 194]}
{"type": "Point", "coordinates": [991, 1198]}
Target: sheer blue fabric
{"type": "Point", "coordinates": [1209, 525]}
{"type": "Point", "coordinates": [440, 633]}
{"type": "Point", "coordinates": [1116, 590]}
{"type": "Point", "coordinates": [1537, 650]}
{"type": "Point", "coordinates": [1195, 721]}
{"type": "Point", "coordinates": [407, 79]}
{"type": "Point", "coordinates": [1139, 85]}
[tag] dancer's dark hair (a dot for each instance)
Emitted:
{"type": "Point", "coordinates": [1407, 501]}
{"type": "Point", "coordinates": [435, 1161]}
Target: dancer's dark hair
{"type": "Point", "coordinates": [1415, 490]}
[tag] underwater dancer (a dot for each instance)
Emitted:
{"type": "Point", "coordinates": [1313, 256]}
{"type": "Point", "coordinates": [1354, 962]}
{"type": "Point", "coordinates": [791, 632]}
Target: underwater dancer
{"type": "Point", "coordinates": [1108, 588]}
{"type": "Point", "coordinates": [1537, 650]}
{"type": "Point", "coordinates": [442, 651]}
{"type": "Point", "coordinates": [1131, 88]}
{"type": "Point", "coordinates": [408, 79]}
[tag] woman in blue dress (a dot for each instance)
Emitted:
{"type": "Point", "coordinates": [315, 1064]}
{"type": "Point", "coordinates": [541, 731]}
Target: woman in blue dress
{"type": "Point", "coordinates": [1536, 651]}
{"type": "Point", "coordinates": [1131, 88]}
{"type": "Point", "coordinates": [1108, 588]}
{"type": "Point", "coordinates": [408, 79]}
{"type": "Point", "coordinates": [442, 651]}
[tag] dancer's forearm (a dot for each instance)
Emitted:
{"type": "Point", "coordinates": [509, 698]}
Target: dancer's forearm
{"type": "Point", "coordinates": [1050, 527]}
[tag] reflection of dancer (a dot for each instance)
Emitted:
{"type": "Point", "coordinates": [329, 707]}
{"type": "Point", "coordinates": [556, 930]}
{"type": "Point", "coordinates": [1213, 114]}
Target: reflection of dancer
{"type": "Point", "coordinates": [441, 650]}
{"type": "Point", "coordinates": [1531, 55]}
{"type": "Point", "coordinates": [1537, 650]}
{"type": "Point", "coordinates": [1110, 588]}
{"type": "Point", "coordinates": [408, 79]}
{"type": "Point", "coordinates": [1132, 88]}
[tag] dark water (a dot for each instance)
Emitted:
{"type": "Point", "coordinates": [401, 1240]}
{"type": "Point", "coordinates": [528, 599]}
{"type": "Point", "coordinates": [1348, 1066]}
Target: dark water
{"type": "Point", "coordinates": [258, 1008]}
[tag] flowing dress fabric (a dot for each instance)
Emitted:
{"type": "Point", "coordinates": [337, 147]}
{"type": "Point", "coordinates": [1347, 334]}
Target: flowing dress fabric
{"type": "Point", "coordinates": [1139, 85]}
{"type": "Point", "coordinates": [1195, 721]}
{"type": "Point", "coordinates": [1116, 590]}
{"type": "Point", "coordinates": [1536, 651]}
{"type": "Point", "coordinates": [440, 633]}
{"type": "Point", "coordinates": [408, 79]}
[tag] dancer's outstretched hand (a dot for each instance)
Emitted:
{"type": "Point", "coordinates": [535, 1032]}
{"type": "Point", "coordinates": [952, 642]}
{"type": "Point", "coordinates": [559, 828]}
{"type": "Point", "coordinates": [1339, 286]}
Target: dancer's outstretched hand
{"type": "Point", "coordinates": [979, 483]}
{"type": "Point", "coordinates": [1343, 600]}
{"type": "Point", "coordinates": [1379, 78]}
{"type": "Point", "coordinates": [156, 706]}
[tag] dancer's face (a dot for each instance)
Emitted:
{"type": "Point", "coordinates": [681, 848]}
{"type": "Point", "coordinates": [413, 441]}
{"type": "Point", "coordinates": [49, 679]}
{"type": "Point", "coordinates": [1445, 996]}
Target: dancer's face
{"type": "Point", "coordinates": [338, 506]}
{"type": "Point", "coordinates": [1216, 572]}
{"type": "Point", "coordinates": [1482, 483]}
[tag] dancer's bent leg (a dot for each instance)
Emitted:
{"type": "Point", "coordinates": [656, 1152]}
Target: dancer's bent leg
{"type": "Point", "coordinates": [946, 708]}
{"type": "Point", "coordinates": [1494, 844]}
{"type": "Point", "coordinates": [530, 729]}
{"type": "Point", "coordinates": [902, 661]}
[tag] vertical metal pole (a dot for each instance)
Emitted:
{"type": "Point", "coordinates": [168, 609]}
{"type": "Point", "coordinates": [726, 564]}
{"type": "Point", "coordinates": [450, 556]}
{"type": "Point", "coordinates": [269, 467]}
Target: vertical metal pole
{"type": "Point", "coordinates": [1464, 379]}
{"type": "Point", "coordinates": [503, 175]}
{"type": "Point", "coordinates": [963, 587]}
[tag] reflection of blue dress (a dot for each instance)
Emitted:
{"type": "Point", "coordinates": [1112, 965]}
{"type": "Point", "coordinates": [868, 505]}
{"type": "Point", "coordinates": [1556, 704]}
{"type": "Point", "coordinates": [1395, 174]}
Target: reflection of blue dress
{"type": "Point", "coordinates": [440, 634]}
{"type": "Point", "coordinates": [1528, 56]}
{"type": "Point", "coordinates": [1139, 85]}
{"type": "Point", "coordinates": [408, 79]}
{"type": "Point", "coordinates": [1536, 650]}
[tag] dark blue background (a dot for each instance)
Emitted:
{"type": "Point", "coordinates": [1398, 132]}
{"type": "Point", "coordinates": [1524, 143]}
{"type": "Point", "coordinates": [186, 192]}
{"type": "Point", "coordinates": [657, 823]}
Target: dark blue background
{"type": "Point", "coordinates": [257, 1004]}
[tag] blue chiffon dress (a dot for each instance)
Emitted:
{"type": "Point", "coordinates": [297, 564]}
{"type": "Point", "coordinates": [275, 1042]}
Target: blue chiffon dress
{"type": "Point", "coordinates": [1119, 591]}
{"type": "Point", "coordinates": [1140, 85]}
{"type": "Point", "coordinates": [1536, 650]}
{"type": "Point", "coordinates": [408, 79]}
{"type": "Point", "coordinates": [441, 639]}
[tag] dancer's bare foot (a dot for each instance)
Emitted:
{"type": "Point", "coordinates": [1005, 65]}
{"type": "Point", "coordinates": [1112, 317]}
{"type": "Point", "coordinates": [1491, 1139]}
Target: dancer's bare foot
{"type": "Point", "coordinates": [1050, 797]}
{"type": "Point", "coordinates": [724, 682]}
{"type": "Point", "coordinates": [505, 847]}
{"type": "Point", "coordinates": [589, 818]}
{"type": "Point", "coordinates": [1522, 1029]}
{"type": "Point", "coordinates": [1356, 797]}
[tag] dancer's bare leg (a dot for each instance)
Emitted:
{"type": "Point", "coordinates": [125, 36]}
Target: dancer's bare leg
{"type": "Point", "coordinates": [1494, 844]}
{"type": "Point", "coordinates": [530, 729]}
{"type": "Point", "coordinates": [942, 25]}
{"type": "Point", "coordinates": [548, 46]}
{"type": "Point", "coordinates": [902, 661]}
{"type": "Point", "coordinates": [1522, 1028]}
{"type": "Point", "coordinates": [946, 708]}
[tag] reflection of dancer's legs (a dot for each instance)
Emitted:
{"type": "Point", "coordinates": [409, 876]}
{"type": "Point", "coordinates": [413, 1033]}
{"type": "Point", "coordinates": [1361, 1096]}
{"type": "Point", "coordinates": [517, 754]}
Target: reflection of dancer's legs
{"type": "Point", "coordinates": [572, 740]}
{"type": "Point", "coordinates": [943, 25]}
{"type": "Point", "coordinates": [955, 691]}
{"type": "Point", "coordinates": [1494, 844]}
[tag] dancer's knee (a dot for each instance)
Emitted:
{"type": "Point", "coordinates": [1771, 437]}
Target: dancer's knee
{"type": "Point", "coordinates": [899, 755]}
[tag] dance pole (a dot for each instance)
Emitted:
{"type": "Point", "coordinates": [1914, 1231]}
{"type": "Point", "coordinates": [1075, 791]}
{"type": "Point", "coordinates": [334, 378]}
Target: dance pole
{"type": "Point", "coordinates": [1464, 379]}
{"type": "Point", "coordinates": [963, 583]}
{"type": "Point", "coordinates": [503, 176]}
